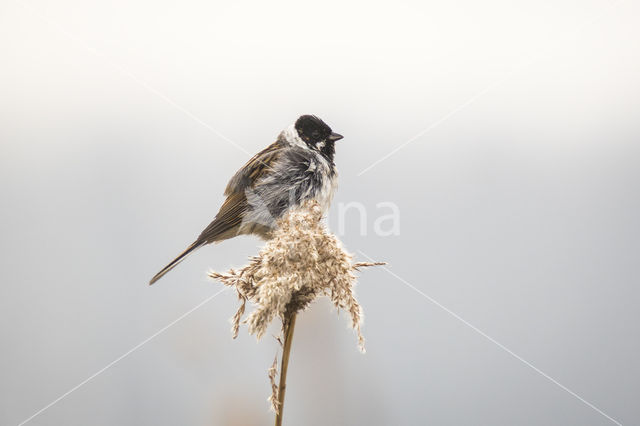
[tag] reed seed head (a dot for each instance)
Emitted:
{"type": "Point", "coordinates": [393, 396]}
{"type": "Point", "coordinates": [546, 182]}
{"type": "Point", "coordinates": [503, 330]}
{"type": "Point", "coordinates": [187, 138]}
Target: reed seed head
{"type": "Point", "coordinates": [301, 262]}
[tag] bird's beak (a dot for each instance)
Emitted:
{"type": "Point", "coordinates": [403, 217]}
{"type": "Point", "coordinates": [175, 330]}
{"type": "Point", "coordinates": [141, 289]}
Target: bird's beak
{"type": "Point", "coordinates": [335, 137]}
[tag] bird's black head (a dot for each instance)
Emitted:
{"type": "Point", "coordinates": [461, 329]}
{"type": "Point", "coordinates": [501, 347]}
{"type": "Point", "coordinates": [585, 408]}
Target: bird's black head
{"type": "Point", "coordinates": [317, 135]}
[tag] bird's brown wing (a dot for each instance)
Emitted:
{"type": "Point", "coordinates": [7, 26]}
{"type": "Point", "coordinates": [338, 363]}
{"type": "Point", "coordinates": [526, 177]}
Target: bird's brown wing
{"type": "Point", "coordinates": [255, 168]}
{"type": "Point", "coordinates": [228, 220]}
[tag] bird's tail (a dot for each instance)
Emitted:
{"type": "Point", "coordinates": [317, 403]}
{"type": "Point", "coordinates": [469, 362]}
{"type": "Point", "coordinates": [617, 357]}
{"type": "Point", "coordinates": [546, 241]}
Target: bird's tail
{"type": "Point", "coordinates": [175, 261]}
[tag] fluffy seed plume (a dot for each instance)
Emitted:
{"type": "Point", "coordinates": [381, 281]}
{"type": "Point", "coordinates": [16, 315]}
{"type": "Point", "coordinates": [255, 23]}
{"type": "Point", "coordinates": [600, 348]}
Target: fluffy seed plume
{"type": "Point", "coordinates": [301, 262]}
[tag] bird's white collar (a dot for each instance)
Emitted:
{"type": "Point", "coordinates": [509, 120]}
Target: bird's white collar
{"type": "Point", "coordinates": [291, 135]}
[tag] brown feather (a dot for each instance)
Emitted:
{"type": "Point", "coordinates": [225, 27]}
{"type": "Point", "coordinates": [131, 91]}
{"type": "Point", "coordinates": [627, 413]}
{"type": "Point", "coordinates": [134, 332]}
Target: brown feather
{"type": "Point", "coordinates": [254, 169]}
{"type": "Point", "coordinates": [228, 221]}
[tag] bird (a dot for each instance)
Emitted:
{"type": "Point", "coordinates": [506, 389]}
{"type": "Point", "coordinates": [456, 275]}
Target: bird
{"type": "Point", "coordinates": [297, 167]}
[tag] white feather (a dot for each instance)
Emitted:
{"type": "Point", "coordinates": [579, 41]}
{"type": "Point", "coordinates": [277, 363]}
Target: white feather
{"type": "Point", "coordinates": [291, 135]}
{"type": "Point", "coordinates": [329, 185]}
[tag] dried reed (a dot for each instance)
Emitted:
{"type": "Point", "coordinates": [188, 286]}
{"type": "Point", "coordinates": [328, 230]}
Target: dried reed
{"type": "Point", "coordinates": [301, 262]}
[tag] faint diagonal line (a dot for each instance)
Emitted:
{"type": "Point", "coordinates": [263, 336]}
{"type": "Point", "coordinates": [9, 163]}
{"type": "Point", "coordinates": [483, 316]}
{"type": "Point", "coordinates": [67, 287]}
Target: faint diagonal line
{"type": "Point", "coordinates": [520, 66]}
{"type": "Point", "coordinates": [494, 341]}
{"type": "Point", "coordinates": [438, 122]}
{"type": "Point", "coordinates": [121, 357]}
{"type": "Point", "coordinates": [131, 75]}
{"type": "Point", "coordinates": [139, 81]}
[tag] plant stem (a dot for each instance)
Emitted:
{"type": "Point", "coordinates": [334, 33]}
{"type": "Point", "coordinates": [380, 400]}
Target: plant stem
{"type": "Point", "coordinates": [289, 325]}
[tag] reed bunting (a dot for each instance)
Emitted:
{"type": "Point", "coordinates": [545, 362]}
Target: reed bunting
{"type": "Point", "coordinates": [297, 167]}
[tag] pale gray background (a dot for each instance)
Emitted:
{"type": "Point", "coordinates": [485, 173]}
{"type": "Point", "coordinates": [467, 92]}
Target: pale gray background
{"type": "Point", "coordinates": [519, 212]}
